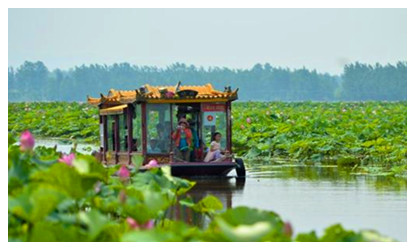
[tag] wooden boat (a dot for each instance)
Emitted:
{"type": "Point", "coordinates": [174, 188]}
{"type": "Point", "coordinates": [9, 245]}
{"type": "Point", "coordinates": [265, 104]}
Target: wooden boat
{"type": "Point", "coordinates": [141, 122]}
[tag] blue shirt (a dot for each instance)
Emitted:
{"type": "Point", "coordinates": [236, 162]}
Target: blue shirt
{"type": "Point", "coordinates": [183, 143]}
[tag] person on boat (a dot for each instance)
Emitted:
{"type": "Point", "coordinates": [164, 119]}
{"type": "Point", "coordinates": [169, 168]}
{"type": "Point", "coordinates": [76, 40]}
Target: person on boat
{"type": "Point", "coordinates": [195, 149]}
{"type": "Point", "coordinates": [214, 152]}
{"type": "Point", "coordinates": [153, 148]}
{"type": "Point", "coordinates": [136, 144]}
{"type": "Point", "coordinates": [163, 137]}
{"type": "Point", "coordinates": [182, 138]}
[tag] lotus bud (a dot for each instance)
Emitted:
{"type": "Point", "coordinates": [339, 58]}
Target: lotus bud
{"type": "Point", "coordinates": [67, 159]}
{"type": "Point", "coordinates": [27, 141]}
{"type": "Point", "coordinates": [132, 223]}
{"type": "Point", "coordinates": [148, 225]}
{"type": "Point", "coordinates": [153, 163]}
{"type": "Point", "coordinates": [288, 229]}
{"type": "Point", "coordinates": [124, 173]}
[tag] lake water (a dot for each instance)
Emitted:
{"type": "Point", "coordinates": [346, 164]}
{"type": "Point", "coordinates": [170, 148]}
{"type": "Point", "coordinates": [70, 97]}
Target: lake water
{"type": "Point", "coordinates": [65, 146]}
{"type": "Point", "coordinates": [311, 198]}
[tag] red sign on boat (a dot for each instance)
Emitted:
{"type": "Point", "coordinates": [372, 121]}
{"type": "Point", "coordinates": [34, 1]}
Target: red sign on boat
{"type": "Point", "coordinates": [213, 107]}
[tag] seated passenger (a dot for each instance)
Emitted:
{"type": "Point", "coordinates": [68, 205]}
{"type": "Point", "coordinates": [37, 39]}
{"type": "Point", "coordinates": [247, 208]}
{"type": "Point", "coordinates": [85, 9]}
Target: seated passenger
{"type": "Point", "coordinates": [183, 140]}
{"type": "Point", "coordinates": [153, 148]}
{"type": "Point", "coordinates": [214, 153]}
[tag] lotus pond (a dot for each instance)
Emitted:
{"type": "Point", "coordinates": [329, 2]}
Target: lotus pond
{"type": "Point", "coordinates": [316, 172]}
{"type": "Point", "coordinates": [369, 136]}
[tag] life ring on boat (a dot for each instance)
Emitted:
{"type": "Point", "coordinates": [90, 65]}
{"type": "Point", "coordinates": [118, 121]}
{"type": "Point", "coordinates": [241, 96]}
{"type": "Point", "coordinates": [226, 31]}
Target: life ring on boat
{"type": "Point", "coordinates": [240, 167]}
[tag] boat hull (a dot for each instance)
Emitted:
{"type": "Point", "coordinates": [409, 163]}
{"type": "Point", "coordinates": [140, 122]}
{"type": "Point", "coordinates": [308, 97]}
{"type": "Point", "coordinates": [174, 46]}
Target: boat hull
{"type": "Point", "coordinates": [202, 169]}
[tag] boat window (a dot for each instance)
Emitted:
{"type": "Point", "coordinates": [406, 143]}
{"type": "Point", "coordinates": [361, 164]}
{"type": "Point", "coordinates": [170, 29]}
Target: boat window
{"type": "Point", "coordinates": [123, 132]}
{"type": "Point", "coordinates": [137, 128]}
{"type": "Point", "coordinates": [101, 131]}
{"type": "Point", "coordinates": [158, 128]}
{"type": "Point", "coordinates": [111, 132]}
{"type": "Point", "coordinates": [191, 112]}
{"type": "Point", "coordinates": [213, 120]}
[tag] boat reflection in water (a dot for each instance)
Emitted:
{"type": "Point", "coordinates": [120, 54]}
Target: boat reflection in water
{"type": "Point", "coordinates": [223, 188]}
{"type": "Point", "coordinates": [310, 197]}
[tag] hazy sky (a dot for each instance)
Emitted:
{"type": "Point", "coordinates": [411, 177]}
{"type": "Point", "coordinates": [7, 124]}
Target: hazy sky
{"type": "Point", "coordinates": [322, 39]}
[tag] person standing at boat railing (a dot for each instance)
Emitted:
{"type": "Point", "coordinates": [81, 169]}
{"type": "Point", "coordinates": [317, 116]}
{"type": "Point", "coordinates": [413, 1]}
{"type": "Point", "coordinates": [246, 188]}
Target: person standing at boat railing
{"type": "Point", "coordinates": [196, 152]}
{"type": "Point", "coordinates": [182, 138]}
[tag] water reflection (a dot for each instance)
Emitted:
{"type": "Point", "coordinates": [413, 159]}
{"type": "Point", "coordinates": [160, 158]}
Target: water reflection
{"type": "Point", "coordinates": [310, 197]}
{"type": "Point", "coordinates": [332, 174]}
{"type": "Point", "coordinates": [223, 188]}
{"type": "Point", "coordinates": [65, 146]}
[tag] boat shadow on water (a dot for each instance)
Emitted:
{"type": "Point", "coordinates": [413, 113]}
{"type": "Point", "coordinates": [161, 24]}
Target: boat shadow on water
{"type": "Point", "coordinates": [223, 188]}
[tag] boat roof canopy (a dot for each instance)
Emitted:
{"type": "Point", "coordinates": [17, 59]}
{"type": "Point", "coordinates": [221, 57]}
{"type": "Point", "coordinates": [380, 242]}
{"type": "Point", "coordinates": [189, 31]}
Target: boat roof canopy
{"type": "Point", "coordinates": [166, 94]}
{"type": "Point", "coordinates": [115, 110]}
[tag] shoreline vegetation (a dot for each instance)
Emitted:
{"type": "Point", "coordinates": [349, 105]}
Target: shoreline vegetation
{"type": "Point", "coordinates": [368, 137]}
{"type": "Point", "coordinates": [72, 197]}
{"type": "Point", "coordinates": [33, 81]}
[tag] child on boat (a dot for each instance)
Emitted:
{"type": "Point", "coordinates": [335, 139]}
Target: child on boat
{"type": "Point", "coordinates": [214, 153]}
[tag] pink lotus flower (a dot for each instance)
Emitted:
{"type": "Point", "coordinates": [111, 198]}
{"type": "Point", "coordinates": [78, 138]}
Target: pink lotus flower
{"type": "Point", "coordinates": [287, 229]}
{"type": "Point", "coordinates": [148, 225]}
{"type": "Point", "coordinates": [151, 164]}
{"type": "Point", "coordinates": [27, 141]}
{"type": "Point", "coordinates": [132, 223]}
{"type": "Point", "coordinates": [248, 120]}
{"type": "Point", "coordinates": [124, 173]}
{"type": "Point", "coordinates": [67, 159]}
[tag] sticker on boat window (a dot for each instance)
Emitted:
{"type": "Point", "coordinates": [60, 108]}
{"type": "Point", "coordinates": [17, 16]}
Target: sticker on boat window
{"type": "Point", "coordinates": [209, 118]}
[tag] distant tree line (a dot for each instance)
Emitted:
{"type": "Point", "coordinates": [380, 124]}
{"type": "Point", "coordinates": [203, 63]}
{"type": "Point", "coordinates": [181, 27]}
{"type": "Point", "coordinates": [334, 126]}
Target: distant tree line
{"type": "Point", "coordinates": [32, 81]}
{"type": "Point", "coordinates": [367, 82]}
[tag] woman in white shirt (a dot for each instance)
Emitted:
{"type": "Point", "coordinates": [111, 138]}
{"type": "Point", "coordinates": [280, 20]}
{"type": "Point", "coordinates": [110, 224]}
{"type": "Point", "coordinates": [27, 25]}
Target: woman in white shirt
{"type": "Point", "coordinates": [214, 153]}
